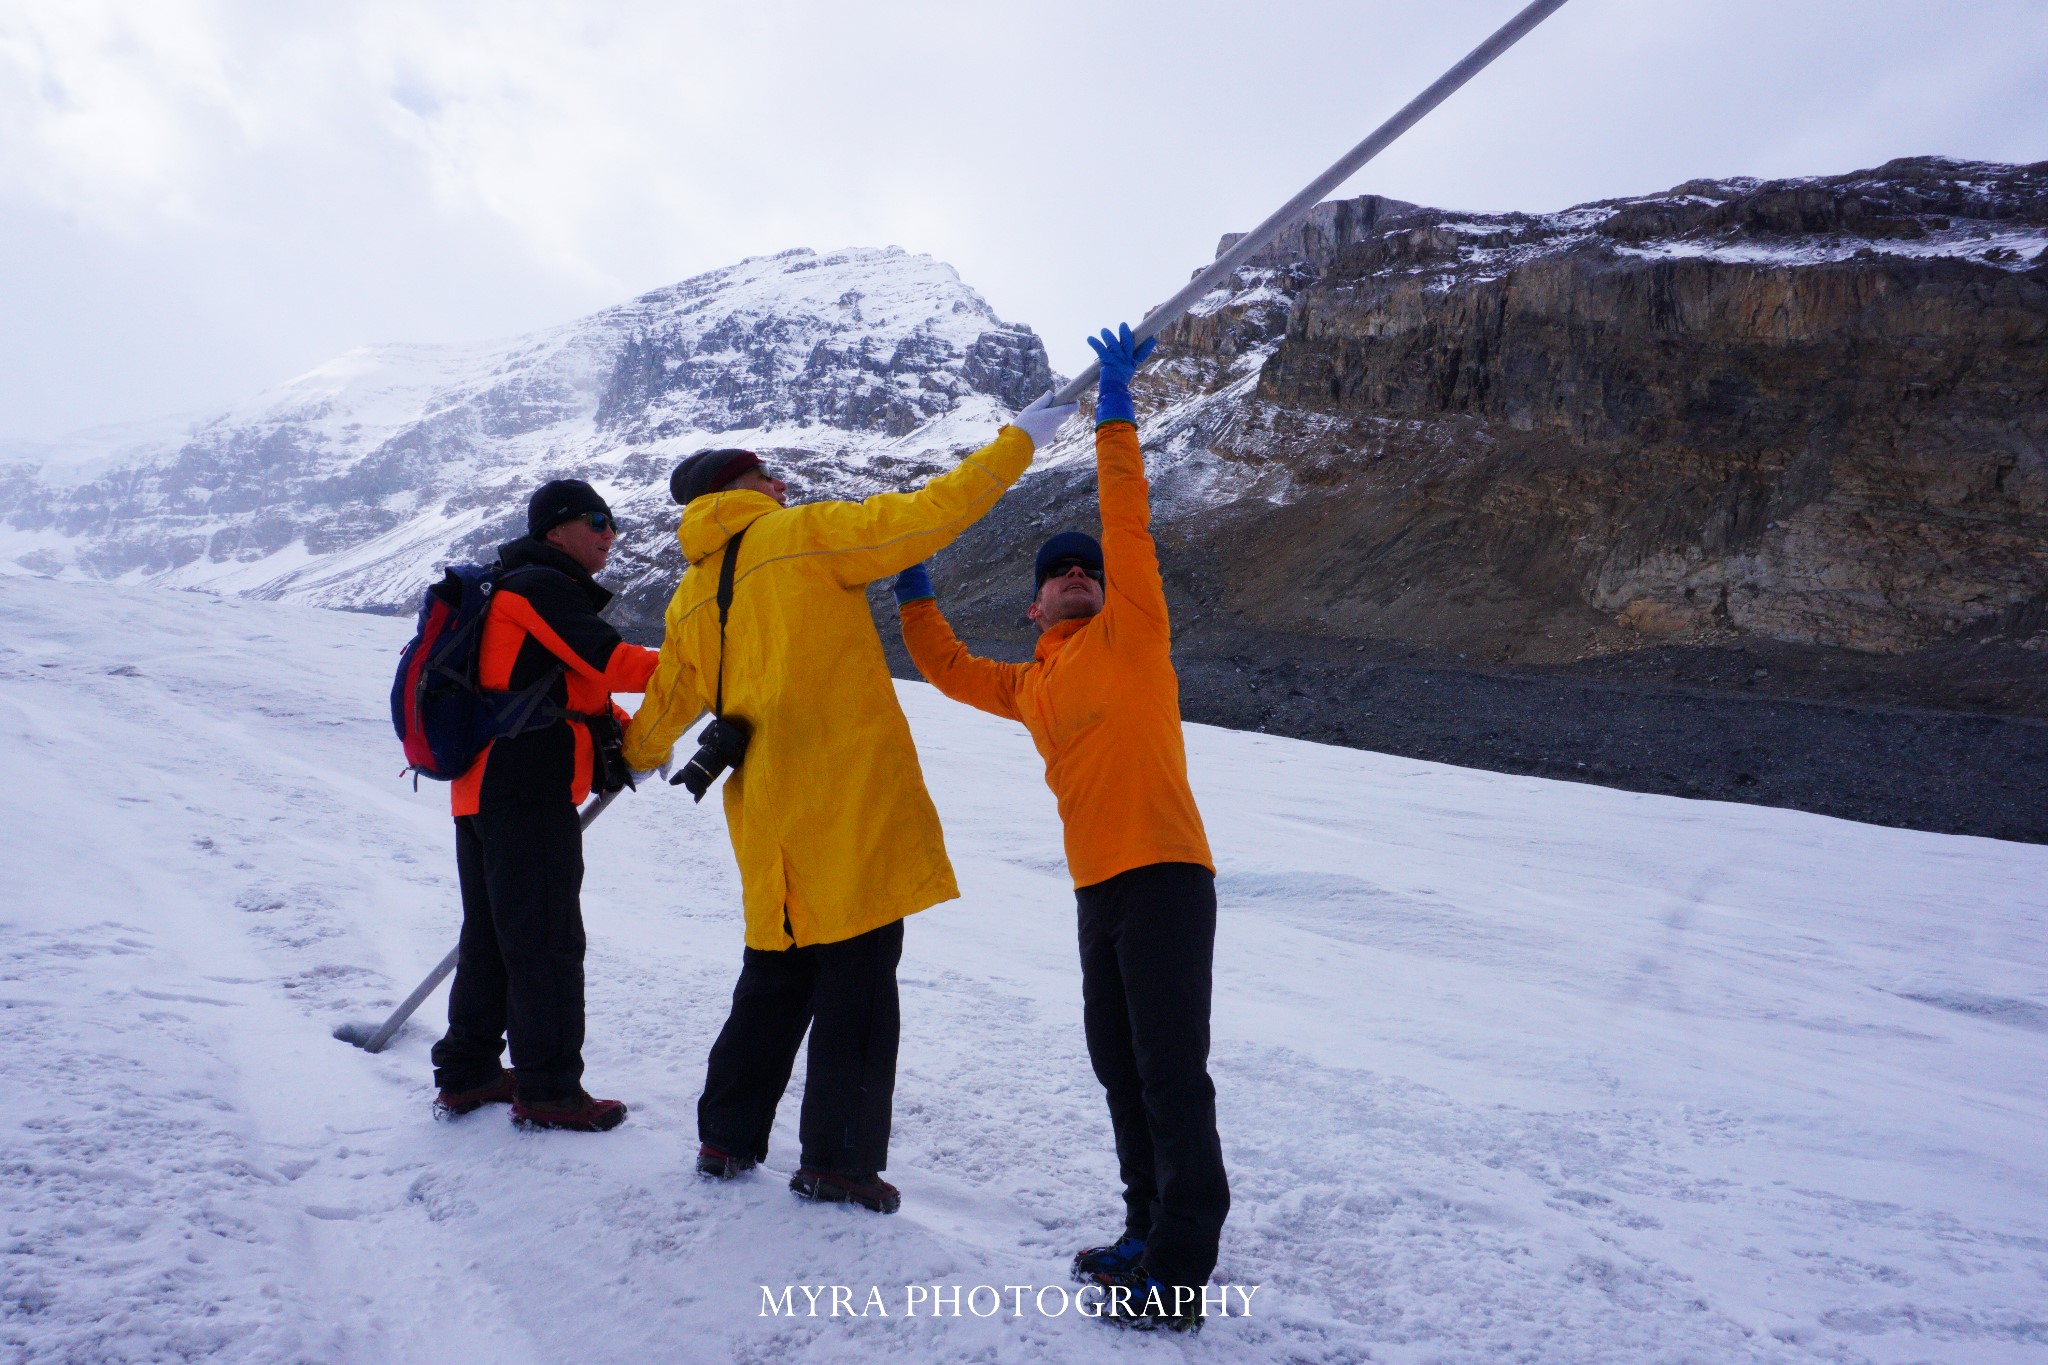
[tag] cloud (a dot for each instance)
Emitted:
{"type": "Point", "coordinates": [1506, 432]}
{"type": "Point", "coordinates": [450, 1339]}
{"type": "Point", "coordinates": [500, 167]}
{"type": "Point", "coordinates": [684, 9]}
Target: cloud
{"type": "Point", "coordinates": [111, 112]}
{"type": "Point", "coordinates": [204, 196]}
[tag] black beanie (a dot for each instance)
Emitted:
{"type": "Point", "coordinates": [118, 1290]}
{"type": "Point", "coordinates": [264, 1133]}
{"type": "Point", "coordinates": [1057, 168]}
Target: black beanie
{"type": "Point", "coordinates": [708, 471]}
{"type": "Point", "coordinates": [1066, 545]}
{"type": "Point", "coordinates": [561, 500]}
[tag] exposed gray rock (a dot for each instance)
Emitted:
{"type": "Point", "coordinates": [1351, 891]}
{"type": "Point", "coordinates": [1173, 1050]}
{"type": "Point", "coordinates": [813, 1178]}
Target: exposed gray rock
{"type": "Point", "coordinates": [347, 485]}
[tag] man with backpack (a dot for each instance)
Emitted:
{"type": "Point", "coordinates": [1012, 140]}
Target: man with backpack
{"type": "Point", "coordinates": [552, 662]}
{"type": "Point", "coordinates": [836, 837]}
{"type": "Point", "coordinates": [1102, 703]}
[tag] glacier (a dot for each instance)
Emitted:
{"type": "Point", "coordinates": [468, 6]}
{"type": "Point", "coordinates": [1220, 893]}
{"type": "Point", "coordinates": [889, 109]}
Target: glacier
{"type": "Point", "coordinates": [1508, 1068]}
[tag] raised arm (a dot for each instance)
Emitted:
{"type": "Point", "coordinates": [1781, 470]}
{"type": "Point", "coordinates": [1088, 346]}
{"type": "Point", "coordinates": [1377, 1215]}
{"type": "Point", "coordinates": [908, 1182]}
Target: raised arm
{"type": "Point", "coordinates": [674, 700]}
{"type": "Point", "coordinates": [1134, 596]}
{"type": "Point", "coordinates": [553, 610]}
{"type": "Point", "coordinates": [946, 663]}
{"type": "Point", "coordinates": [892, 531]}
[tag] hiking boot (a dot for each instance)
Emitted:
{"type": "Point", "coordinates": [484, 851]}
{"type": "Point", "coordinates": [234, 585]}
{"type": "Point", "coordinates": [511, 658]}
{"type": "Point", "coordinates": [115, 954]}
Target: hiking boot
{"type": "Point", "coordinates": [868, 1191]}
{"type": "Point", "coordinates": [721, 1165]}
{"type": "Point", "coordinates": [453, 1104]}
{"type": "Point", "coordinates": [1138, 1303]}
{"type": "Point", "coordinates": [577, 1113]}
{"type": "Point", "coordinates": [1100, 1265]}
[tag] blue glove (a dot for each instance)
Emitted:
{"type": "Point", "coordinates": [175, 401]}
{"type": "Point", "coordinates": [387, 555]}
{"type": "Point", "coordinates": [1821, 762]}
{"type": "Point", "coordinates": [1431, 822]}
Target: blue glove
{"type": "Point", "coordinates": [1120, 360]}
{"type": "Point", "coordinates": [914, 585]}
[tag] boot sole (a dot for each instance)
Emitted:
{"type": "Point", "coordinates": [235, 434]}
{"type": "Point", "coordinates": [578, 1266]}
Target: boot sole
{"type": "Point", "coordinates": [445, 1111]}
{"type": "Point", "coordinates": [723, 1170]}
{"type": "Point", "coordinates": [532, 1124]}
{"type": "Point", "coordinates": [448, 1112]}
{"type": "Point", "coordinates": [817, 1191]}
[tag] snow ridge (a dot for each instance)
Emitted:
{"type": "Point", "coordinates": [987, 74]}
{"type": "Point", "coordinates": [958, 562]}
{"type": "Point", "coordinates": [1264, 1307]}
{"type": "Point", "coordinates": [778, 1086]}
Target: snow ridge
{"type": "Point", "coordinates": [850, 371]}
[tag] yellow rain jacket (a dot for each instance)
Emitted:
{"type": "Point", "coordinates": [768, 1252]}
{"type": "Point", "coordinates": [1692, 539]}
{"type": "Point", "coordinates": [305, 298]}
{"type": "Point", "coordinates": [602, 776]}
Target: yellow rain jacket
{"type": "Point", "coordinates": [829, 817]}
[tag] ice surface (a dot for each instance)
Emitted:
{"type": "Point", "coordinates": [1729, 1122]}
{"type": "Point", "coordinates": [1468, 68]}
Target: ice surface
{"type": "Point", "coordinates": [1507, 1069]}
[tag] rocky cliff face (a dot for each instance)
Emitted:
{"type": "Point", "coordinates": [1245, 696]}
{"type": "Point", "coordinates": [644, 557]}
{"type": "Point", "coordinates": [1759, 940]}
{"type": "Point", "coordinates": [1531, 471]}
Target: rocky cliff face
{"type": "Point", "coordinates": [1810, 413]}
{"type": "Point", "coordinates": [1659, 492]}
{"type": "Point", "coordinates": [852, 372]}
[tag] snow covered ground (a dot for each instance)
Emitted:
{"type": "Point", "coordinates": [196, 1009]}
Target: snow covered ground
{"type": "Point", "coordinates": [1508, 1069]}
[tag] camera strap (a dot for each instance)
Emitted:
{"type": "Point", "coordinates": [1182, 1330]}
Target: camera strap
{"type": "Point", "coordinates": [732, 558]}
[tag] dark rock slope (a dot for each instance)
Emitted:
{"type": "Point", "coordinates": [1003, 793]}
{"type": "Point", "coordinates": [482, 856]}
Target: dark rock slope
{"type": "Point", "coordinates": [1753, 474]}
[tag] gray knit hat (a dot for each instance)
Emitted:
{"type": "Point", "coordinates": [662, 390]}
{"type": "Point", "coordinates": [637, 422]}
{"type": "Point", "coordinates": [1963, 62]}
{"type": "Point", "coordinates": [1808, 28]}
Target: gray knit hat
{"type": "Point", "coordinates": [708, 471]}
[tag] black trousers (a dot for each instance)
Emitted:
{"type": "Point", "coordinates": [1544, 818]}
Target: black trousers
{"type": "Point", "coordinates": [519, 969]}
{"type": "Point", "coordinates": [1148, 939]}
{"type": "Point", "coordinates": [845, 994]}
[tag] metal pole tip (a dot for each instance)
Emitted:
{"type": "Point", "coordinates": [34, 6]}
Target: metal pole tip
{"type": "Point", "coordinates": [356, 1035]}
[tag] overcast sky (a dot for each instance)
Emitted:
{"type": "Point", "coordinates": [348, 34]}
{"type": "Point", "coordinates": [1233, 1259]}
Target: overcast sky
{"type": "Point", "coordinates": [199, 198]}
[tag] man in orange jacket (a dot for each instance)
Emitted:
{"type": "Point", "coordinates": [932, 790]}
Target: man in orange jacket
{"type": "Point", "coordinates": [1102, 703]}
{"type": "Point", "coordinates": [518, 842]}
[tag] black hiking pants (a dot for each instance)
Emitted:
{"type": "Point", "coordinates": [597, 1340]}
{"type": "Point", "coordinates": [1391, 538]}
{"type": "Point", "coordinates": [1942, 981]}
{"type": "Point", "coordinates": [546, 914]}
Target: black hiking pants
{"type": "Point", "coordinates": [1148, 938]}
{"type": "Point", "coordinates": [845, 994]}
{"type": "Point", "coordinates": [519, 965]}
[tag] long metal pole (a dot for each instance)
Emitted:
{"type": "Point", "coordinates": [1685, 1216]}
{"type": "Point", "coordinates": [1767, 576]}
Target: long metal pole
{"type": "Point", "coordinates": [352, 1033]}
{"type": "Point", "coordinates": [1318, 189]}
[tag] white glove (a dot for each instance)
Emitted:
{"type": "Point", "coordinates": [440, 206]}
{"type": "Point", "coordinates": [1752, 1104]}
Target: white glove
{"type": "Point", "coordinates": [642, 774]}
{"type": "Point", "coordinates": [1042, 419]}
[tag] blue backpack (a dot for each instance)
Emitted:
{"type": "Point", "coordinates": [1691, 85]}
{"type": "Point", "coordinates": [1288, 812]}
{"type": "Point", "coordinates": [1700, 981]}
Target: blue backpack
{"type": "Point", "coordinates": [443, 717]}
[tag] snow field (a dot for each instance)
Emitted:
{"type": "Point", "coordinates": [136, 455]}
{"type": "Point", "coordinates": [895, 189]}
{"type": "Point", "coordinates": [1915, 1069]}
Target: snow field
{"type": "Point", "coordinates": [1507, 1069]}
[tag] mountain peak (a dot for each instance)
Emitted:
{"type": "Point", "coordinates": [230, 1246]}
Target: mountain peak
{"type": "Point", "coordinates": [864, 339]}
{"type": "Point", "coordinates": [345, 484]}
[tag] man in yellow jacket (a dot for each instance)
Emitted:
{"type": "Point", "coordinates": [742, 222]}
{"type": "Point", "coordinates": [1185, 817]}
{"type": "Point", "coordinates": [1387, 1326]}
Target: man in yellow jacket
{"type": "Point", "coordinates": [836, 837]}
{"type": "Point", "coordinates": [1102, 703]}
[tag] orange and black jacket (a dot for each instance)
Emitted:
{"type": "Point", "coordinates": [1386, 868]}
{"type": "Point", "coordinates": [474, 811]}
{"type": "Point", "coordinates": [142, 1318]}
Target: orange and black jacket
{"type": "Point", "coordinates": [1100, 698]}
{"type": "Point", "coordinates": [544, 613]}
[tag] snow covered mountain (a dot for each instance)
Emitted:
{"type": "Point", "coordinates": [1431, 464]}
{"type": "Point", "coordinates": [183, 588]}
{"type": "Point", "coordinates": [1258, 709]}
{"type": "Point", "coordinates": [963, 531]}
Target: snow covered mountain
{"type": "Point", "coordinates": [345, 486]}
{"type": "Point", "coordinates": [1612, 492]}
{"type": "Point", "coordinates": [1804, 410]}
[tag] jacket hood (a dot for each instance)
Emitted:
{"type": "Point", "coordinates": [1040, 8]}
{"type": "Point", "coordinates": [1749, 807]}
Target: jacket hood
{"type": "Point", "coordinates": [529, 552]}
{"type": "Point", "coordinates": [710, 521]}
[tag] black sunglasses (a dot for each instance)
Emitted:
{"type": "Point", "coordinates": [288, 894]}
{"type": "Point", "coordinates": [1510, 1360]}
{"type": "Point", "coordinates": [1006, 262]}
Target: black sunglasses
{"type": "Point", "coordinates": [1059, 568]}
{"type": "Point", "coordinates": [601, 521]}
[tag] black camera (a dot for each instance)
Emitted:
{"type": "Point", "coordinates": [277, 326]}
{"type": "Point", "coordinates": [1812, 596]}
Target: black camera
{"type": "Point", "coordinates": [608, 769]}
{"type": "Point", "coordinates": [720, 745]}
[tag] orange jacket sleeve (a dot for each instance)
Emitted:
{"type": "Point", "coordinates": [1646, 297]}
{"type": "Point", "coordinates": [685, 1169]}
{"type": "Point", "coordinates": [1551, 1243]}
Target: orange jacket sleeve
{"type": "Point", "coordinates": [949, 666]}
{"type": "Point", "coordinates": [1135, 596]}
{"type": "Point", "coordinates": [630, 667]}
{"type": "Point", "coordinates": [626, 668]}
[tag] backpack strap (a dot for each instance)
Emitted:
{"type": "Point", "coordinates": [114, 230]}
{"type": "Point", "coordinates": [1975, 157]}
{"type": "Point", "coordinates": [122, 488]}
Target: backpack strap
{"type": "Point", "coordinates": [527, 702]}
{"type": "Point", "coordinates": [506, 575]}
{"type": "Point", "coordinates": [527, 709]}
{"type": "Point", "coordinates": [725, 573]}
